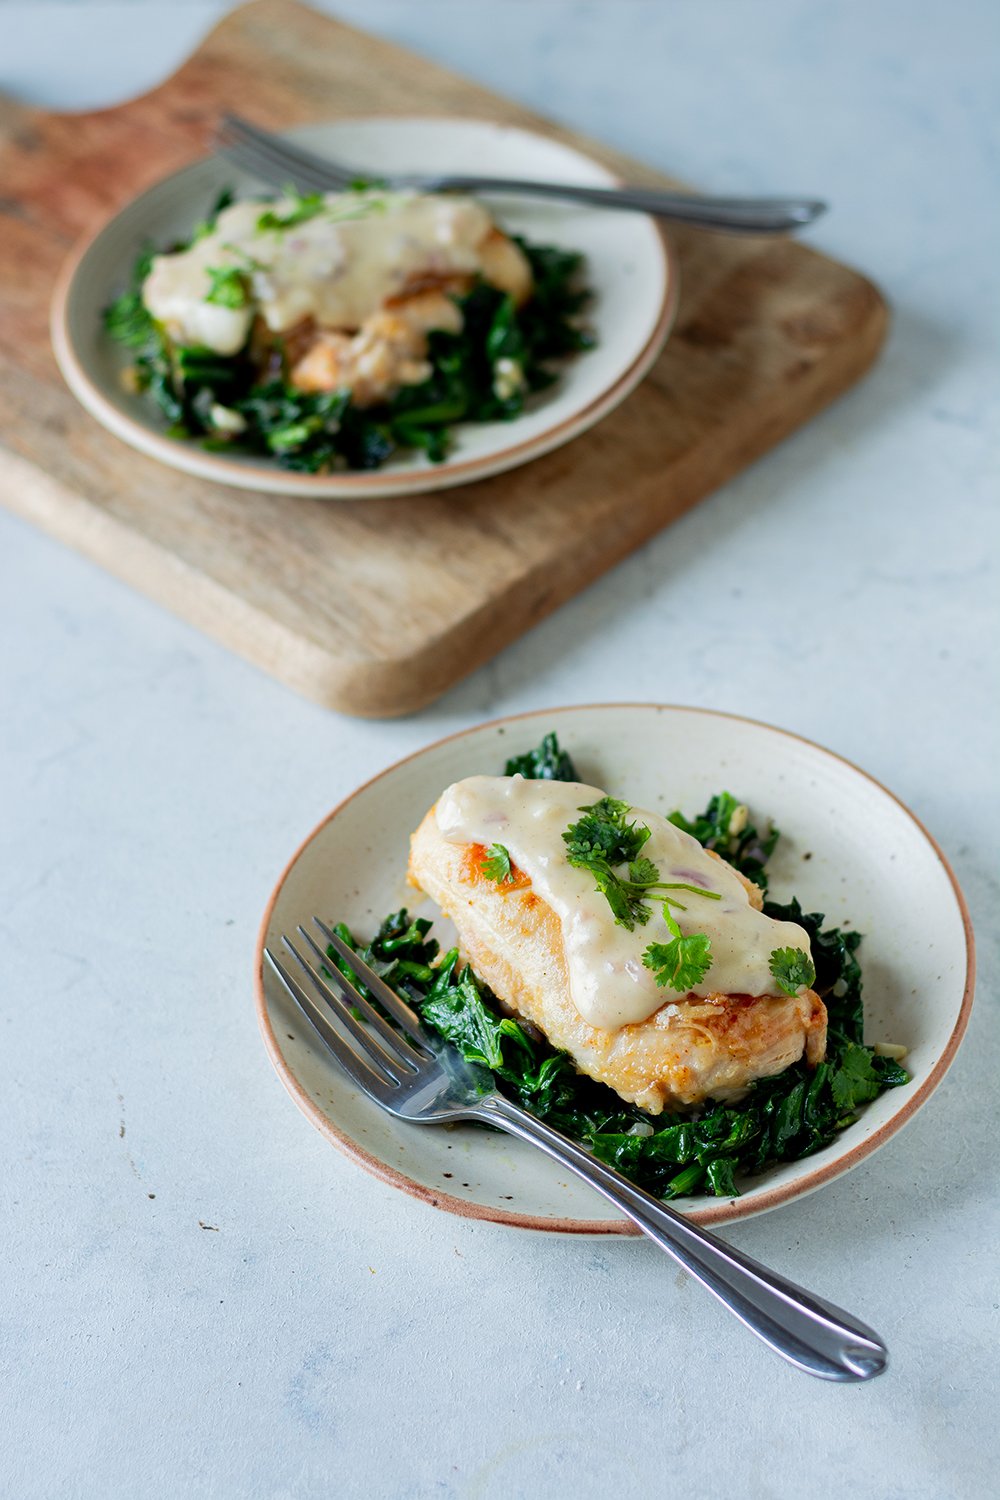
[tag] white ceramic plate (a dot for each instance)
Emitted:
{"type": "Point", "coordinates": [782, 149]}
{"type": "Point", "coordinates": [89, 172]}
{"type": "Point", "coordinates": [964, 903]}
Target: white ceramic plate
{"type": "Point", "coordinates": [848, 849]}
{"type": "Point", "coordinates": [629, 267]}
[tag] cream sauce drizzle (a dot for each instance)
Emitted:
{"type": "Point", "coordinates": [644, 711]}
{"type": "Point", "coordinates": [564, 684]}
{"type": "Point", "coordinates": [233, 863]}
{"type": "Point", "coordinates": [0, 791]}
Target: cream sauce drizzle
{"type": "Point", "coordinates": [334, 268]}
{"type": "Point", "coordinates": [609, 984]}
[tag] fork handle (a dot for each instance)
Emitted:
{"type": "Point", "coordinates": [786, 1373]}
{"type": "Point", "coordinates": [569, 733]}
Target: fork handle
{"type": "Point", "coordinates": [811, 1334]}
{"type": "Point", "coordinates": [740, 215]}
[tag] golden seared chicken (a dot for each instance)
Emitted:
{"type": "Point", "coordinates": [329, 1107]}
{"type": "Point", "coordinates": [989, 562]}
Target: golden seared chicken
{"type": "Point", "coordinates": [342, 289]}
{"type": "Point", "coordinates": [545, 940]}
{"type": "Point", "coordinates": [389, 349]}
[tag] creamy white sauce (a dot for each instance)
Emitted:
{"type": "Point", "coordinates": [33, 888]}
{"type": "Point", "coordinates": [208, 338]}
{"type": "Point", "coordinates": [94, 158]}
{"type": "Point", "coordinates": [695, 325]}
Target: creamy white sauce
{"type": "Point", "coordinates": [337, 267]}
{"type": "Point", "coordinates": [609, 984]}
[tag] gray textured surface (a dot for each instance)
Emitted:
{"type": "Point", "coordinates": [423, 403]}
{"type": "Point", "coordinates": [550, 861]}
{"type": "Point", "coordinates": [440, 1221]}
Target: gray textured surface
{"type": "Point", "coordinates": [200, 1298]}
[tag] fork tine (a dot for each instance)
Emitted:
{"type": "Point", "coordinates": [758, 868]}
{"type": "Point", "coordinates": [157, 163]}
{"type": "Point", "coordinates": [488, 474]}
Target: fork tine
{"type": "Point", "coordinates": [397, 1044]}
{"type": "Point", "coordinates": [387, 998]}
{"type": "Point", "coordinates": [266, 157]}
{"type": "Point", "coordinates": [278, 174]}
{"type": "Point", "coordinates": [280, 147]}
{"type": "Point", "coordinates": [398, 1059]}
{"type": "Point", "coordinates": [281, 159]}
{"type": "Point", "coordinates": [374, 1084]}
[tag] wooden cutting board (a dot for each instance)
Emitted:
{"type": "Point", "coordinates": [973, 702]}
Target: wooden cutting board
{"type": "Point", "coordinates": [376, 607]}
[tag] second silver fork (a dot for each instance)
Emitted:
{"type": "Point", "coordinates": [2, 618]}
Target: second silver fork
{"type": "Point", "coordinates": [280, 162]}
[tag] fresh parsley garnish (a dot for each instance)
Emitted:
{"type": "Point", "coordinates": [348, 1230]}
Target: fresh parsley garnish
{"type": "Point", "coordinates": [496, 865]}
{"type": "Point", "coordinates": [604, 833]}
{"type": "Point", "coordinates": [230, 286]}
{"type": "Point", "coordinates": [305, 206]}
{"type": "Point", "coordinates": [301, 207]}
{"type": "Point", "coordinates": [792, 969]}
{"type": "Point", "coordinates": [642, 871]}
{"type": "Point", "coordinates": [603, 839]}
{"type": "Point", "coordinates": [683, 962]}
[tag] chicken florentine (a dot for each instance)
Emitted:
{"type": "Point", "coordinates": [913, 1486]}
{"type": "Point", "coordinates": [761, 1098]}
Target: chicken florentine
{"type": "Point", "coordinates": [341, 294]}
{"type": "Point", "coordinates": [546, 942]}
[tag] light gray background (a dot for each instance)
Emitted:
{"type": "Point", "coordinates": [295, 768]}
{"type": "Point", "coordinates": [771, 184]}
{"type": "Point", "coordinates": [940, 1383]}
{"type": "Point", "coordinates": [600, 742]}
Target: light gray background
{"type": "Point", "coordinates": [327, 1336]}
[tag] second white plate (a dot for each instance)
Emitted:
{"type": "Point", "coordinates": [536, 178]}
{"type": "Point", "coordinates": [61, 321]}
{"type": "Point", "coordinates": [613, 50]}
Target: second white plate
{"type": "Point", "coordinates": [628, 265]}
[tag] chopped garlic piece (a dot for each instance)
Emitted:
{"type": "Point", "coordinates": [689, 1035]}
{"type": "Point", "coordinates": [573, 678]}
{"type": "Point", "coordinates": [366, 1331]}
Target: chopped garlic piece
{"type": "Point", "coordinates": [224, 419]}
{"type": "Point", "coordinates": [509, 379]}
{"type": "Point", "coordinates": [739, 820]}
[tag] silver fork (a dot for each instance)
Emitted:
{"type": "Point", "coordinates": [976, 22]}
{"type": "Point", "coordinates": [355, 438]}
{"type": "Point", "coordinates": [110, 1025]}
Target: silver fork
{"type": "Point", "coordinates": [278, 162]}
{"type": "Point", "coordinates": [419, 1078]}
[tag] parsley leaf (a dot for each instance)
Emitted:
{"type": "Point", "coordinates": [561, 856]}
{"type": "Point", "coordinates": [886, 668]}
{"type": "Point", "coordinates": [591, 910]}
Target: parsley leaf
{"type": "Point", "coordinates": [597, 842]}
{"type": "Point", "coordinates": [303, 206]}
{"type": "Point", "coordinates": [838, 973]}
{"type": "Point", "coordinates": [604, 833]}
{"type": "Point", "coordinates": [230, 286]}
{"type": "Point", "coordinates": [496, 865]}
{"type": "Point", "coordinates": [604, 838]}
{"type": "Point", "coordinates": [627, 904]}
{"type": "Point", "coordinates": [791, 968]}
{"type": "Point", "coordinates": [642, 871]}
{"type": "Point", "coordinates": [681, 963]}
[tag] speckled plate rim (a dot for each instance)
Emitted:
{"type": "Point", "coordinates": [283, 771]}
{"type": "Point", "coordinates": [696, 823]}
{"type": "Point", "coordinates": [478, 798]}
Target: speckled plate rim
{"type": "Point", "coordinates": [270, 479]}
{"type": "Point", "coordinates": [712, 1212]}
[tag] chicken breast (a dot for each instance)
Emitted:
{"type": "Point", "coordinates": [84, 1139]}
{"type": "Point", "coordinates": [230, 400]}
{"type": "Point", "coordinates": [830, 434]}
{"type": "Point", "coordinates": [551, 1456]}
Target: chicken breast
{"type": "Point", "coordinates": [349, 285]}
{"type": "Point", "coordinates": [691, 1049]}
{"type": "Point", "coordinates": [390, 348]}
{"type": "Point", "coordinates": [388, 351]}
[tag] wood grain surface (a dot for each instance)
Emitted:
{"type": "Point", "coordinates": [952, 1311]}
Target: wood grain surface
{"type": "Point", "coordinates": [375, 607]}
